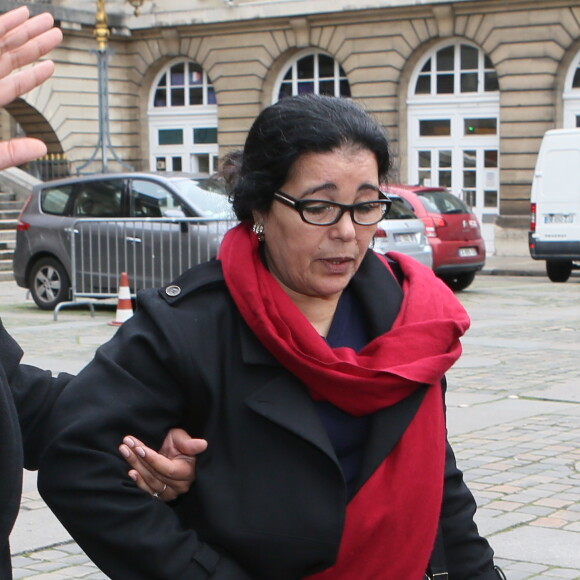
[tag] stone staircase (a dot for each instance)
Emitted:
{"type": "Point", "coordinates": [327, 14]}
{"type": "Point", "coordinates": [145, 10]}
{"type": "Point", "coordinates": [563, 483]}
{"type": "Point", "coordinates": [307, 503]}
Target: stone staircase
{"type": "Point", "coordinates": [9, 210]}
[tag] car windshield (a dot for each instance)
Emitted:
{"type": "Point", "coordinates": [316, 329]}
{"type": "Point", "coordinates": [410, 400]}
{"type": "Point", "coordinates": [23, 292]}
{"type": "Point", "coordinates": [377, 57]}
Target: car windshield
{"type": "Point", "coordinates": [443, 202]}
{"type": "Point", "coordinates": [399, 210]}
{"type": "Point", "coordinates": [201, 194]}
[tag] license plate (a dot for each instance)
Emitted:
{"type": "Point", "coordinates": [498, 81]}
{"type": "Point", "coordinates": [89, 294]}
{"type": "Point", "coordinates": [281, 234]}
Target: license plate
{"type": "Point", "coordinates": [559, 218]}
{"type": "Point", "coordinates": [405, 238]}
{"type": "Point", "coordinates": [467, 252]}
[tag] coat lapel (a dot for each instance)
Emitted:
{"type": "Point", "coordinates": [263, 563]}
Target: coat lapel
{"type": "Point", "coordinates": [379, 292]}
{"type": "Point", "coordinates": [284, 400]}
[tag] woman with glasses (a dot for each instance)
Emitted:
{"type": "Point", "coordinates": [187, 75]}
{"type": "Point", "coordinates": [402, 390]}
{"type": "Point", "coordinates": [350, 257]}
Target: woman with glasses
{"type": "Point", "coordinates": [312, 366]}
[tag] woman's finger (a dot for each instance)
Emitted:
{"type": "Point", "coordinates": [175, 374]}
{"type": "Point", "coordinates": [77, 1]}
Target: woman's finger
{"type": "Point", "coordinates": [18, 151]}
{"type": "Point", "coordinates": [174, 468]}
{"type": "Point", "coordinates": [164, 494]}
{"type": "Point", "coordinates": [151, 479]}
{"type": "Point", "coordinates": [29, 52]}
{"type": "Point", "coordinates": [177, 474]}
{"type": "Point", "coordinates": [28, 30]}
{"type": "Point", "coordinates": [147, 481]}
{"type": "Point", "coordinates": [12, 19]}
{"type": "Point", "coordinates": [21, 82]}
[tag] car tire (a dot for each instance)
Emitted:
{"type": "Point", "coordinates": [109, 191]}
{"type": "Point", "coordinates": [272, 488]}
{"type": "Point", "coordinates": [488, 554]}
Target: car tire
{"type": "Point", "coordinates": [558, 271]}
{"type": "Point", "coordinates": [49, 283]}
{"type": "Point", "coordinates": [459, 281]}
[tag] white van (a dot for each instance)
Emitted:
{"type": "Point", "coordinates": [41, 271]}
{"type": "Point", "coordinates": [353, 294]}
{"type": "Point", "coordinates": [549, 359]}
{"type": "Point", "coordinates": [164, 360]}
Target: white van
{"type": "Point", "coordinates": [555, 204]}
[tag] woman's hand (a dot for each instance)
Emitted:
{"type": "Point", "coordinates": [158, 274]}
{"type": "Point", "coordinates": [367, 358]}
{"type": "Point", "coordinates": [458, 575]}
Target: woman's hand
{"type": "Point", "coordinates": [23, 40]}
{"type": "Point", "coordinates": [168, 473]}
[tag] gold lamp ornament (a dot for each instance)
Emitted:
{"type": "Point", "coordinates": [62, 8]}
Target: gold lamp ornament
{"type": "Point", "coordinates": [136, 5]}
{"type": "Point", "coordinates": [101, 31]}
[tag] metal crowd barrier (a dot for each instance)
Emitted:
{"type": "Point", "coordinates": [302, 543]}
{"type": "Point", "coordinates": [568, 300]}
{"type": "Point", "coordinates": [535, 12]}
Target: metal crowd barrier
{"type": "Point", "coordinates": [152, 251]}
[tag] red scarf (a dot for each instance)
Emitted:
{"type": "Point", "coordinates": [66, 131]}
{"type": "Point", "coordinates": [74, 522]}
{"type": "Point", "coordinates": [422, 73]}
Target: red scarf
{"type": "Point", "coordinates": [392, 521]}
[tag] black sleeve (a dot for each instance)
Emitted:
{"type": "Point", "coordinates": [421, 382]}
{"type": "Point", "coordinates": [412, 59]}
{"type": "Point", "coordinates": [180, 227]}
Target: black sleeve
{"type": "Point", "coordinates": [34, 392]}
{"type": "Point", "coordinates": [131, 386]}
{"type": "Point", "coordinates": [468, 555]}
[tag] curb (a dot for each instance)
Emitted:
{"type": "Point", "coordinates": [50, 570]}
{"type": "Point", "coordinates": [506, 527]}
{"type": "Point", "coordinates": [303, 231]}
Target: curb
{"type": "Point", "coordinates": [510, 272]}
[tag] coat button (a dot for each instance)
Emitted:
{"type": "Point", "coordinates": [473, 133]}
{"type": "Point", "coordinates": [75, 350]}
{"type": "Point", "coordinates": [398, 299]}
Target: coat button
{"type": "Point", "coordinates": [173, 290]}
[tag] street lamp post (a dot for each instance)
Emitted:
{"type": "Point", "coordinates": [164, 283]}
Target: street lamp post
{"type": "Point", "coordinates": [102, 34]}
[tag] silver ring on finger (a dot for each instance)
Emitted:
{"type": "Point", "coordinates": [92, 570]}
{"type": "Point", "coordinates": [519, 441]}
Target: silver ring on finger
{"type": "Point", "coordinates": [158, 494]}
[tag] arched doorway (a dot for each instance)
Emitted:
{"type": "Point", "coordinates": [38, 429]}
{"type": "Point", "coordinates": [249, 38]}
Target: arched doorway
{"type": "Point", "coordinates": [28, 121]}
{"type": "Point", "coordinates": [183, 120]}
{"type": "Point", "coordinates": [571, 95]}
{"type": "Point", "coordinates": [453, 120]}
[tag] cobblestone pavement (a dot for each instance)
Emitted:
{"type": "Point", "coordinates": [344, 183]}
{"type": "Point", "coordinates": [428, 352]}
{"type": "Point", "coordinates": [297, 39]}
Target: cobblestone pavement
{"type": "Point", "coordinates": [513, 415]}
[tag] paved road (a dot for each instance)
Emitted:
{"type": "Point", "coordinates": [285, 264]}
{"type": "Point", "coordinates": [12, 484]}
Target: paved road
{"type": "Point", "coordinates": [513, 412]}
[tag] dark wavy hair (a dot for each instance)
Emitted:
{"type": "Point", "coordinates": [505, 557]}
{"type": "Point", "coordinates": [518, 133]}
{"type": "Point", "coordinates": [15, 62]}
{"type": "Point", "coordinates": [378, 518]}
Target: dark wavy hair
{"type": "Point", "coordinates": [288, 129]}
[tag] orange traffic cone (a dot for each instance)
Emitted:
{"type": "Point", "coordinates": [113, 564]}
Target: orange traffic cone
{"type": "Point", "coordinates": [124, 304]}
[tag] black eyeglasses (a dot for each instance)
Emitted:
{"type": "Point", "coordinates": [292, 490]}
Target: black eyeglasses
{"type": "Point", "coordinates": [318, 212]}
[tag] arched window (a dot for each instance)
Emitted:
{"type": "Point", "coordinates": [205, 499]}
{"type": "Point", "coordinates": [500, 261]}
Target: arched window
{"type": "Point", "coordinates": [457, 69]}
{"type": "Point", "coordinates": [183, 120]}
{"type": "Point", "coordinates": [571, 95]}
{"type": "Point", "coordinates": [314, 72]}
{"type": "Point", "coordinates": [453, 123]}
{"type": "Point", "coordinates": [576, 78]}
{"type": "Point", "coordinates": [185, 84]}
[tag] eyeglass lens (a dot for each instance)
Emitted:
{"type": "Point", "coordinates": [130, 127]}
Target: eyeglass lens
{"type": "Point", "coordinates": [321, 213]}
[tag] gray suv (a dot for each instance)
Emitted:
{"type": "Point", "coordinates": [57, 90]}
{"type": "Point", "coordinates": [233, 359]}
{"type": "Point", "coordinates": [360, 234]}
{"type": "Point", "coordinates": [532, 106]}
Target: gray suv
{"type": "Point", "coordinates": [75, 235]}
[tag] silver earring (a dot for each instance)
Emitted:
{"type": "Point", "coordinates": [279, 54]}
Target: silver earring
{"type": "Point", "coordinates": [258, 229]}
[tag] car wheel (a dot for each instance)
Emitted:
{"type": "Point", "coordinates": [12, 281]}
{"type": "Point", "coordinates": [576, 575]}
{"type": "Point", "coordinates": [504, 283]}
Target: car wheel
{"type": "Point", "coordinates": [49, 283]}
{"type": "Point", "coordinates": [459, 281]}
{"type": "Point", "coordinates": [558, 271]}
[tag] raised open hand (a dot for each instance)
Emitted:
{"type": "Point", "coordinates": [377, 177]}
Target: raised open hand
{"type": "Point", "coordinates": [23, 40]}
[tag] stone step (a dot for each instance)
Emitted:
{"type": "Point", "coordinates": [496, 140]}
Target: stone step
{"type": "Point", "coordinates": [7, 242]}
{"type": "Point", "coordinates": [7, 245]}
{"type": "Point", "coordinates": [9, 214]}
{"type": "Point", "coordinates": [9, 211]}
{"type": "Point", "coordinates": [5, 265]}
{"type": "Point", "coordinates": [8, 224]}
{"type": "Point", "coordinates": [10, 204]}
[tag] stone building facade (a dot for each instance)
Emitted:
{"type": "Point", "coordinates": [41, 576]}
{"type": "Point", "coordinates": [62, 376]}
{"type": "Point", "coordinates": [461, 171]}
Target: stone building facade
{"type": "Point", "coordinates": [464, 89]}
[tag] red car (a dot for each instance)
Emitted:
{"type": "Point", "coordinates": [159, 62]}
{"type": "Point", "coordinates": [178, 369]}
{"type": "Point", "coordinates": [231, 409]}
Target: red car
{"type": "Point", "coordinates": [452, 230]}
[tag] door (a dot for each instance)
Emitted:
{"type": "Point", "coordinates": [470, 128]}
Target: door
{"type": "Point", "coordinates": [99, 247]}
{"type": "Point", "coordinates": [160, 249]}
{"type": "Point", "coordinates": [459, 151]}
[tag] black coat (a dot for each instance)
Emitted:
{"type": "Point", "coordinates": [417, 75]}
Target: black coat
{"type": "Point", "coordinates": [27, 395]}
{"type": "Point", "coordinates": [269, 501]}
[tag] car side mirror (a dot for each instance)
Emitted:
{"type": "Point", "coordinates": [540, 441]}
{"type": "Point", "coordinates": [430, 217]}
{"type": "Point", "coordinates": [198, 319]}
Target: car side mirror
{"type": "Point", "coordinates": [174, 213]}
